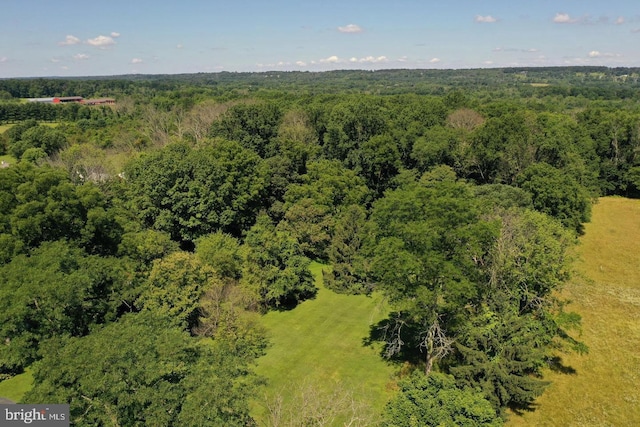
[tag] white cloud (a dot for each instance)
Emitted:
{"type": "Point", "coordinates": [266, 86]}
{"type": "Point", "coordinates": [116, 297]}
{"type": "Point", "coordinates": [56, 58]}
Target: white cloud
{"type": "Point", "coordinates": [351, 28]}
{"type": "Point", "coordinates": [80, 56]}
{"type": "Point", "coordinates": [179, 46]}
{"type": "Point", "coordinates": [69, 40]}
{"type": "Point", "coordinates": [488, 62]}
{"type": "Point", "coordinates": [54, 60]}
{"type": "Point", "coordinates": [3, 59]}
{"type": "Point", "coordinates": [564, 18]}
{"type": "Point", "coordinates": [485, 19]}
{"type": "Point", "coordinates": [115, 35]}
{"type": "Point", "coordinates": [369, 59]}
{"type": "Point", "coordinates": [102, 42]}
{"type": "Point", "coordinates": [136, 61]}
{"type": "Point", "coordinates": [620, 20]}
{"type": "Point", "coordinates": [301, 63]}
{"type": "Point", "coordinates": [64, 67]}
{"type": "Point", "coordinates": [597, 54]}
{"type": "Point", "coordinates": [331, 60]}
{"type": "Point", "coordinates": [434, 60]}
{"type": "Point", "coordinates": [636, 30]}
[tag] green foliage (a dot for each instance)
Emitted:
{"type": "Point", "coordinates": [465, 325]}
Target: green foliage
{"type": "Point", "coordinates": [367, 182]}
{"type": "Point", "coordinates": [503, 354]}
{"type": "Point", "coordinates": [252, 125]}
{"type": "Point", "coordinates": [557, 194]}
{"type": "Point", "coordinates": [33, 155]}
{"type": "Point", "coordinates": [190, 193]}
{"type": "Point", "coordinates": [437, 401]}
{"type": "Point", "coordinates": [429, 241]}
{"type": "Point", "coordinates": [56, 291]}
{"type": "Point", "coordinates": [146, 246]}
{"type": "Point", "coordinates": [42, 204]}
{"type": "Point", "coordinates": [174, 288]}
{"type": "Point", "coordinates": [310, 206]}
{"type": "Point", "coordinates": [142, 370]}
{"type": "Point", "coordinates": [275, 268]}
{"type": "Point", "coordinates": [434, 147]}
{"type": "Point", "coordinates": [48, 139]}
{"type": "Point", "coordinates": [350, 266]}
{"type": "Point", "coordinates": [222, 252]}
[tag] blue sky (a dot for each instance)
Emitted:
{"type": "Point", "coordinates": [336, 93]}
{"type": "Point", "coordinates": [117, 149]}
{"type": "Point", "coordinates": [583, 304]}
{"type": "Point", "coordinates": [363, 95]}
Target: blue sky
{"type": "Point", "coordinates": [100, 37]}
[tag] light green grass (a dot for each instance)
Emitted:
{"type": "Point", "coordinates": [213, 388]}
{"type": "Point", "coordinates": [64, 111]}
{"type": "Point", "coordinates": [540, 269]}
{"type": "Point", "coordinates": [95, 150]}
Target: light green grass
{"type": "Point", "coordinates": [14, 388]}
{"type": "Point", "coordinates": [321, 343]}
{"type": "Point", "coordinates": [8, 159]}
{"type": "Point", "coordinates": [605, 390]}
{"type": "Point", "coordinates": [4, 128]}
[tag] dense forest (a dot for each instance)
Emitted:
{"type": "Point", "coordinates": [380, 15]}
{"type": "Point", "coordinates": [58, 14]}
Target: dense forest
{"type": "Point", "coordinates": [141, 242]}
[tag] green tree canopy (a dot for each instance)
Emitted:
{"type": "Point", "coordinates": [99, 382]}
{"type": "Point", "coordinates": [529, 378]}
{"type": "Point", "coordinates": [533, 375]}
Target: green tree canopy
{"type": "Point", "coordinates": [190, 193]}
{"type": "Point", "coordinates": [275, 269]}
{"type": "Point", "coordinates": [56, 291]}
{"type": "Point", "coordinates": [437, 401]}
{"type": "Point", "coordinates": [143, 370]}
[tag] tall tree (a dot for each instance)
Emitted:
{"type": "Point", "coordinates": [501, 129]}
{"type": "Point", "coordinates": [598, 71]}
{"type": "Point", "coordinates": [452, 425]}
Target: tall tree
{"type": "Point", "coordinates": [190, 193]}
{"type": "Point", "coordinates": [275, 269]}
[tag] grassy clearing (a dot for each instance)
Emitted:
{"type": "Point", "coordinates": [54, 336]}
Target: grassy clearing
{"type": "Point", "coordinates": [14, 388]}
{"type": "Point", "coordinates": [320, 342]}
{"type": "Point", "coordinates": [605, 390]}
{"type": "Point", "coordinates": [8, 159]}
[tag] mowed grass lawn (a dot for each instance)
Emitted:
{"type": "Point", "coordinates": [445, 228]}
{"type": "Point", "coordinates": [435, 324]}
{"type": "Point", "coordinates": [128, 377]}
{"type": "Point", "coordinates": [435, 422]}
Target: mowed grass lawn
{"type": "Point", "coordinates": [321, 343]}
{"type": "Point", "coordinates": [14, 388]}
{"type": "Point", "coordinates": [605, 390]}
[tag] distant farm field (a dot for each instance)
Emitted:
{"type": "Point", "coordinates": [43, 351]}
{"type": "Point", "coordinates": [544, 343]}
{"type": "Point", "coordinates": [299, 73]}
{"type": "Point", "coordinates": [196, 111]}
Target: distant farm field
{"type": "Point", "coordinates": [605, 389]}
{"type": "Point", "coordinates": [318, 348]}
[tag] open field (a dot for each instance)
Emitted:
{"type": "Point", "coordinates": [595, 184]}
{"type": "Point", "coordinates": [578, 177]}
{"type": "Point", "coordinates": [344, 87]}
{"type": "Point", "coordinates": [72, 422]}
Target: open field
{"type": "Point", "coordinates": [605, 389]}
{"type": "Point", "coordinates": [320, 343]}
{"type": "Point", "coordinates": [14, 388]}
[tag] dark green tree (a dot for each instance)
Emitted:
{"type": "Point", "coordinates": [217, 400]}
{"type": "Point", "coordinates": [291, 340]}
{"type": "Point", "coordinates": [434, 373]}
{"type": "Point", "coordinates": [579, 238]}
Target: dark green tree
{"type": "Point", "coordinates": [557, 194]}
{"type": "Point", "coordinates": [275, 268]}
{"type": "Point", "coordinates": [143, 370]}
{"type": "Point", "coordinates": [437, 401]}
{"type": "Point", "coordinates": [349, 264]}
{"type": "Point", "coordinates": [252, 125]}
{"type": "Point", "coordinates": [56, 291]}
{"type": "Point", "coordinates": [190, 193]}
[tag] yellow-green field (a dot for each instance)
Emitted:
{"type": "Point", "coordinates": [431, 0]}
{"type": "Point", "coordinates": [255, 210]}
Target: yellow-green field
{"type": "Point", "coordinates": [605, 390]}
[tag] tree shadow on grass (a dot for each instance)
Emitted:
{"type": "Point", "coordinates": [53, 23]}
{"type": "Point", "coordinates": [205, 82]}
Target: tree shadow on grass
{"type": "Point", "coordinates": [521, 408]}
{"type": "Point", "coordinates": [556, 365]}
{"type": "Point", "coordinates": [391, 350]}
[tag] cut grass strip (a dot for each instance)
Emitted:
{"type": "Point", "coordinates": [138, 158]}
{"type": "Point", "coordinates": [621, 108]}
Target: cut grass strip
{"type": "Point", "coordinates": [605, 389]}
{"type": "Point", "coordinates": [321, 342]}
